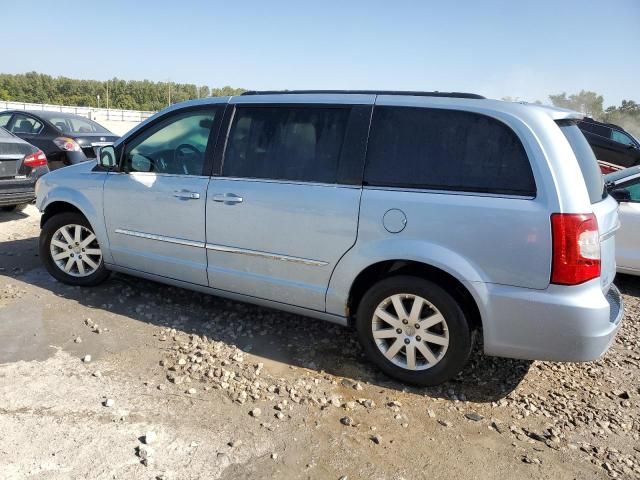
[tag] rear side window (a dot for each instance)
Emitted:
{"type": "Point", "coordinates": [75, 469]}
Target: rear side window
{"type": "Point", "coordinates": [74, 125]}
{"type": "Point", "coordinates": [446, 150]}
{"type": "Point", "coordinates": [286, 143]}
{"type": "Point", "coordinates": [586, 159]}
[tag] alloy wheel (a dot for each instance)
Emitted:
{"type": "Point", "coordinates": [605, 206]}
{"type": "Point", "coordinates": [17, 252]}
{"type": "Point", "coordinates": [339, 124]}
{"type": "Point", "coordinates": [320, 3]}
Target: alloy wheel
{"type": "Point", "coordinates": [410, 331]}
{"type": "Point", "coordinates": [75, 250]}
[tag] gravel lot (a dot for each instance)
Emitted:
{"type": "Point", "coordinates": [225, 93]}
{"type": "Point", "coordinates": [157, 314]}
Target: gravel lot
{"type": "Point", "coordinates": [134, 379]}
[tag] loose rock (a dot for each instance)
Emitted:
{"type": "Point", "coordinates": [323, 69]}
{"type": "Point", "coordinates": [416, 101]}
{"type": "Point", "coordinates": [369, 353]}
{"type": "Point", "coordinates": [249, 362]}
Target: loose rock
{"type": "Point", "coordinates": [348, 421]}
{"type": "Point", "coordinates": [473, 416]}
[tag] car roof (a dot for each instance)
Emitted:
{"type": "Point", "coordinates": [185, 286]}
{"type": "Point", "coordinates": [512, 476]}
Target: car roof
{"type": "Point", "coordinates": [381, 97]}
{"type": "Point", "coordinates": [603, 124]}
{"type": "Point", "coordinates": [7, 137]}
{"type": "Point", "coordinates": [47, 114]}
{"type": "Point", "coordinates": [453, 100]}
{"type": "Point", "coordinates": [366, 92]}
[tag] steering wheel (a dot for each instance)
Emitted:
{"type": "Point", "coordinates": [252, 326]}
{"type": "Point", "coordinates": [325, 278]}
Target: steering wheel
{"type": "Point", "coordinates": [188, 158]}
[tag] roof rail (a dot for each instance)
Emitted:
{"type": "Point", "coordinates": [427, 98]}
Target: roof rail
{"type": "Point", "coordinates": [367, 92]}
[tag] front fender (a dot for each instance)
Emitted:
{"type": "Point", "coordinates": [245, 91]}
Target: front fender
{"type": "Point", "coordinates": [72, 197]}
{"type": "Point", "coordinates": [362, 256]}
{"type": "Point", "coordinates": [88, 201]}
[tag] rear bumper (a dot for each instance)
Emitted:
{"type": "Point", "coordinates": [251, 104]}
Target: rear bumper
{"type": "Point", "coordinates": [568, 324]}
{"type": "Point", "coordinates": [7, 199]}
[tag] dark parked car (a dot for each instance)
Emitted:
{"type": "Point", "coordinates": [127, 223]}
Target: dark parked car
{"type": "Point", "coordinates": [66, 139]}
{"type": "Point", "coordinates": [21, 165]}
{"type": "Point", "coordinates": [611, 143]}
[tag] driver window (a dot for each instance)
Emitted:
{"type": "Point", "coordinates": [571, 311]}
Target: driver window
{"type": "Point", "coordinates": [177, 146]}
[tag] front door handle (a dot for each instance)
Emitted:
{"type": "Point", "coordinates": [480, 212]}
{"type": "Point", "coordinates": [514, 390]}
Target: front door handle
{"type": "Point", "coordinates": [227, 198]}
{"type": "Point", "coordinates": [186, 195]}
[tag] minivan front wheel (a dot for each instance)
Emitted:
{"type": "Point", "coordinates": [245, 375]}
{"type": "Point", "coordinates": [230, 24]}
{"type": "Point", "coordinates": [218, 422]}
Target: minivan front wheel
{"type": "Point", "coordinates": [414, 331]}
{"type": "Point", "coordinates": [70, 250]}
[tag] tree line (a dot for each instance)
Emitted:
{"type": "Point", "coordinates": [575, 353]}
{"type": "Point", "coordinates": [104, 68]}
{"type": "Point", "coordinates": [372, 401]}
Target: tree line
{"type": "Point", "coordinates": [36, 87]}
{"type": "Point", "coordinates": [591, 104]}
{"type": "Point", "coordinates": [627, 114]}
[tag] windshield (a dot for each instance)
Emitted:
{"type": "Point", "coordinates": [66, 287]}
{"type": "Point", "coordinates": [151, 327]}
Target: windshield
{"type": "Point", "coordinates": [586, 160]}
{"type": "Point", "coordinates": [75, 125]}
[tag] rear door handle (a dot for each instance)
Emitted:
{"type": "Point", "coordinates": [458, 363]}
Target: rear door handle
{"type": "Point", "coordinates": [186, 195]}
{"type": "Point", "coordinates": [227, 198]}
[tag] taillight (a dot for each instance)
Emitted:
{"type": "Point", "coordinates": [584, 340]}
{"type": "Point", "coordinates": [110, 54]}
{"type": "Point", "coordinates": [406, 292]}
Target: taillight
{"type": "Point", "coordinates": [576, 248]}
{"type": "Point", "coordinates": [67, 144]}
{"type": "Point", "coordinates": [37, 159]}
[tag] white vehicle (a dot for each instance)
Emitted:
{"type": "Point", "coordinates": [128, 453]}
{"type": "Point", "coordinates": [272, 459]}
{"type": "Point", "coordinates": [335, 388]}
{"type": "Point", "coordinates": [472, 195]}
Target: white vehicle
{"type": "Point", "coordinates": [624, 186]}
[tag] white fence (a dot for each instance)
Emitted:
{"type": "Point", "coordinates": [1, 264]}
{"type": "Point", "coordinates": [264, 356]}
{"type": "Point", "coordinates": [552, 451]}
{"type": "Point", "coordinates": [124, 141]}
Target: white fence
{"type": "Point", "coordinates": [89, 112]}
{"type": "Point", "coordinates": [116, 120]}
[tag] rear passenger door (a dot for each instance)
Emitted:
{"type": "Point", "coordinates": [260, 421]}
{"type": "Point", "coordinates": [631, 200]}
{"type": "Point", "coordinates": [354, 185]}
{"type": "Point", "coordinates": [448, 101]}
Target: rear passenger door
{"type": "Point", "coordinates": [283, 207]}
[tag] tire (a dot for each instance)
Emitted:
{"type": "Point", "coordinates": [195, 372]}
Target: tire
{"type": "Point", "coordinates": [413, 363]}
{"type": "Point", "coordinates": [52, 240]}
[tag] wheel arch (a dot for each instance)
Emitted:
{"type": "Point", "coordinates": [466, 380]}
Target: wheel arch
{"type": "Point", "coordinates": [62, 200]}
{"type": "Point", "coordinates": [388, 268]}
{"type": "Point", "coordinates": [59, 206]}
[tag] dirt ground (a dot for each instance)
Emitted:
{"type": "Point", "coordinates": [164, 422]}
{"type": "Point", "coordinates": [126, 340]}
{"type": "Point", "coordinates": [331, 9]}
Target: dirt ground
{"type": "Point", "coordinates": [224, 390]}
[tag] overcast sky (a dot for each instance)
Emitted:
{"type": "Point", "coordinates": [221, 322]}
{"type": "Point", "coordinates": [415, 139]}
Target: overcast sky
{"type": "Point", "coordinates": [493, 47]}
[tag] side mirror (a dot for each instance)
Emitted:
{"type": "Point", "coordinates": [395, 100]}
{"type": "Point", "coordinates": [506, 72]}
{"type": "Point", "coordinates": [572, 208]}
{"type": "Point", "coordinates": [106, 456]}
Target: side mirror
{"type": "Point", "coordinates": [621, 194]}
{"type": "Point", "coordinates": [107, 157]}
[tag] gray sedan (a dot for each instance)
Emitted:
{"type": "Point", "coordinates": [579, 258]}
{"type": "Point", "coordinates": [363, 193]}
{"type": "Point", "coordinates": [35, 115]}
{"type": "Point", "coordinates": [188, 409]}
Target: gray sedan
{"type": "Point", "coordinates": [21, 164]}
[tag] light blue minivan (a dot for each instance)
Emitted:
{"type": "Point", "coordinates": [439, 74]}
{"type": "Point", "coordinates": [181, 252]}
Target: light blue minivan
{"type": "Point", "coordinates": [422, 219]}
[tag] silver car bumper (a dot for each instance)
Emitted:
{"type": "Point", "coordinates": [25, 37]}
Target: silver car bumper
{"type": "Point", "coordinates": [569, 324]}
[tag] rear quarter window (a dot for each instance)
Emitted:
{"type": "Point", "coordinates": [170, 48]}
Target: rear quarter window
{"type": "Point", "coordinates": [586, 160]}
{"type": "Point", "coordinates": [596, 129]}
{"type": "Point", "coordinates": [446, 150]}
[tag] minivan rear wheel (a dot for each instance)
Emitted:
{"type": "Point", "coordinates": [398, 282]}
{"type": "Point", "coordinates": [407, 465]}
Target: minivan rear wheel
{"type": "Point", "coordinates": [414, 331]}
{"type": "Point", "coordinates": [70, 250]}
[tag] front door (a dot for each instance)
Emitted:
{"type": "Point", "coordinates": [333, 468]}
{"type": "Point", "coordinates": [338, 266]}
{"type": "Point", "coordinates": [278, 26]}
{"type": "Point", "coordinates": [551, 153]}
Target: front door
{"type": "Point", "coordinates": [155, 205]}
{"type": "Point", "coordinates": [285, 208]}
